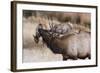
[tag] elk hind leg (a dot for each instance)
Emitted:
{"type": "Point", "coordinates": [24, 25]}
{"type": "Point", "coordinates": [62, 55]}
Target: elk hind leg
{"type": "Point", "coordinates": [89, 56]}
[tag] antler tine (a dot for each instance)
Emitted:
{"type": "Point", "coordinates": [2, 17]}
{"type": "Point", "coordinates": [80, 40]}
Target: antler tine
{"type": "Point", "coordinates": [49, 22]}
{"type": "Point", "coordinates": [50, 19]}
{"type": "Point", "coordinates": [52, 22]}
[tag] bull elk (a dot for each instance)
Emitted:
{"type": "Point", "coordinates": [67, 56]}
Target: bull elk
{"type": "Point", "coordinates": [62, 29]}
{"type": "Point", "coordinates": [71, 46]}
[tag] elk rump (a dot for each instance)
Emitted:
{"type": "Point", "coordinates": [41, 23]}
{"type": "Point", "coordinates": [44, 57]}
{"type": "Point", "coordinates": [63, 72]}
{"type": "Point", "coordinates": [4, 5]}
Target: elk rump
{"type": "Point", "coordinates": [76, 46]}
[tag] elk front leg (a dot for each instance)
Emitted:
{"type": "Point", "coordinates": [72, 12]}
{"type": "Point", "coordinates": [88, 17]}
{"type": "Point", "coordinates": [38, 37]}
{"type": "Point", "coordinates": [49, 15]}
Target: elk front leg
{"type": "Point", "coordinates": [65, 57]}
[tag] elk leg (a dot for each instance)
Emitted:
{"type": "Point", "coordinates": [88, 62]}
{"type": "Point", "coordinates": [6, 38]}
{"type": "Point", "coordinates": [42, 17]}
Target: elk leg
{"type": "Point", "coordinates": [65, 57]}
{"type": "Point", "coordinates": [89, 56]}
{"type": "Point", "coordinates": [75, 58]}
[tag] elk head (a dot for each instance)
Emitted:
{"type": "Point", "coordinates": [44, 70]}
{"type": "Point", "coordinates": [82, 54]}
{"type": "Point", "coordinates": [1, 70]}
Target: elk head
{"type": "Point", "coordinates": [43, 25]}
{"type": "Point", "coordinates": [37, 36]}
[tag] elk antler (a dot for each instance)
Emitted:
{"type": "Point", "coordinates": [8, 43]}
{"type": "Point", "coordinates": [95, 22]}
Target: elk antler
{"type": "Point", "coordinates": [49, 22]}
